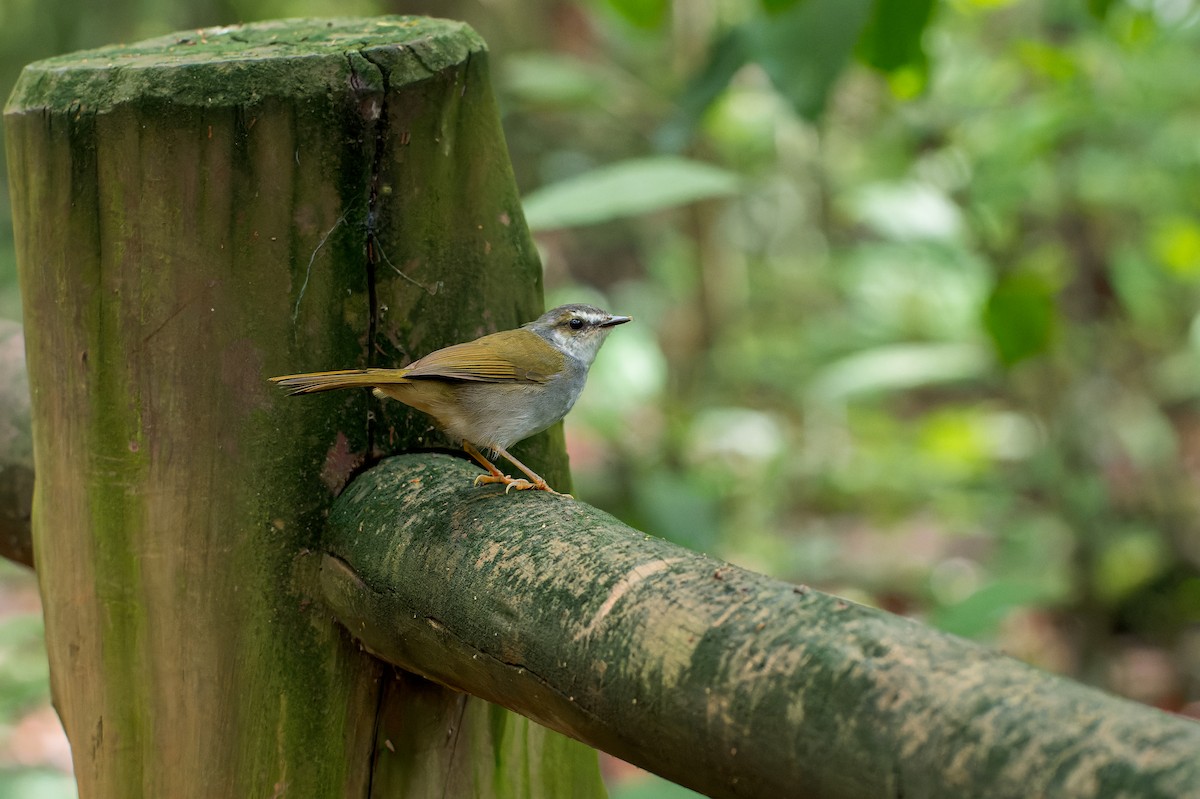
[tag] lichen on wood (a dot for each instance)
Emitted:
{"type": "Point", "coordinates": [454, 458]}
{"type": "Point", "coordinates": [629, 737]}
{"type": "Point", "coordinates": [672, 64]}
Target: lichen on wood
{"type": "Point", "coordinates": [720, 679]}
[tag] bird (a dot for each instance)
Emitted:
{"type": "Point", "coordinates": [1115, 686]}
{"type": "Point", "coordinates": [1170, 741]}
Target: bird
{"type": "Point", "coordinates": [494, 391]}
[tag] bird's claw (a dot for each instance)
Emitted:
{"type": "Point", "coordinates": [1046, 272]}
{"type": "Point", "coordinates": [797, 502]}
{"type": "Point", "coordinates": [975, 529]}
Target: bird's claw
{"type": "Point", "coordinates": [519, 483]}
{"type": "Point", "coordinates": [509, 483]}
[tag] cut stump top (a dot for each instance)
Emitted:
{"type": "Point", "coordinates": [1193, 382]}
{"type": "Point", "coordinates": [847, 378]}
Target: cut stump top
{"type": "Point", "coordinates": [238, 64]}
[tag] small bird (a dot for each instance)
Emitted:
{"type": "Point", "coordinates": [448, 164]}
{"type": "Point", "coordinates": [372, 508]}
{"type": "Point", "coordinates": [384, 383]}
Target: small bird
{"type": "Point", "coordinates": [494, 391]}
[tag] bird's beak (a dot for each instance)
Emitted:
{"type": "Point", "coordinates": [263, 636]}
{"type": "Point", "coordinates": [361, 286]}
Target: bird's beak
{"type": "Point", "coordinates": [612, 321]}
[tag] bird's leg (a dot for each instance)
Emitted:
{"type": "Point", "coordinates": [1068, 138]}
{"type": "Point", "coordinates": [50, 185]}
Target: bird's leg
{"type": "Point", "coordinates": [494, 475]}
{"type": "Point", "coordinates": [538, 482]}
{"type": "Point", "coordinates": [493, 472]}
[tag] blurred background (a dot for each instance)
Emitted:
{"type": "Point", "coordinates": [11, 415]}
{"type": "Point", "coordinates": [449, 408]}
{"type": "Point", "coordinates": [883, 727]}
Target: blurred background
{"type": "Point", "coordinates": [916, 286]}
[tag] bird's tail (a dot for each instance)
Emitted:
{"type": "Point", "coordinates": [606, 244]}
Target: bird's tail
{"type": "Point", "coordinates": [312, 382]}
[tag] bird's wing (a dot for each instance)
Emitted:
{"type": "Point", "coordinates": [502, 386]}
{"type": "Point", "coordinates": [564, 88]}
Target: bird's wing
{"type": "Point", "coordinates": [492, 359]}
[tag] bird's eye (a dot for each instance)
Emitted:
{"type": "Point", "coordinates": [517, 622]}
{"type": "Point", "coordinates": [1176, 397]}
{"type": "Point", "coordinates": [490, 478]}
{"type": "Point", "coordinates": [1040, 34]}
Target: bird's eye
{"type": "Point", "coordinates": [576, 324]}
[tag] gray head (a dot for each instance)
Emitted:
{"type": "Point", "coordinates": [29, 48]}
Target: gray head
{"type": "Point", "coordinates": [577, 330]}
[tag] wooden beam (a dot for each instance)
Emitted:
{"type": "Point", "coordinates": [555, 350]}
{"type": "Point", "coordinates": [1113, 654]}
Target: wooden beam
{"type": "Point", "coordinates": [726, 681]}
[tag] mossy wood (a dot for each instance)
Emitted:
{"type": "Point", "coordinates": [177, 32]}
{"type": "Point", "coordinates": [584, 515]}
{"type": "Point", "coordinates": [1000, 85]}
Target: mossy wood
{"type": "Point", "coordinates": [723, 680]}
{"type": "Point", "coordinates": [194, 214]}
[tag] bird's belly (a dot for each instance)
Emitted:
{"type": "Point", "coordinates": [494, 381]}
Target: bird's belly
{"type": "Point", "coordinates": [489, 415]}
{"type": "Point", "coordinates": [500, 415]}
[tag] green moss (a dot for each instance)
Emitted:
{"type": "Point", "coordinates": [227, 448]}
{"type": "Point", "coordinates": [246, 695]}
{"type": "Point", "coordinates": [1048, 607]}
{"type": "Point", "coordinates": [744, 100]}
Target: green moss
{"type": "Point", "coordinates": [237, 64]}
{"type": "Point", "coordinates": [116, 470]}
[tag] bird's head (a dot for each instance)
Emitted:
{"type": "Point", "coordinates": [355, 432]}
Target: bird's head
{"type": "Point", "coordinates": [576, 330]}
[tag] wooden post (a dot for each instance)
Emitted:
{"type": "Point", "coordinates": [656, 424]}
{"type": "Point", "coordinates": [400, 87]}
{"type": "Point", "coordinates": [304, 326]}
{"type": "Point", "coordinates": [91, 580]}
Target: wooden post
{"type": "Point", "coordinates": [193, 214]}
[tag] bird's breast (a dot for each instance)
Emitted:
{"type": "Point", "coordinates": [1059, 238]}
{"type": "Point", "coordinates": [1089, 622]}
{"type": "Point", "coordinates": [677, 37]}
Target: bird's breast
{"type": "Point", "coordinates": [501, 414]}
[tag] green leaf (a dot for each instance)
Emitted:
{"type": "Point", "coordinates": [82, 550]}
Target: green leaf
{"type": "Point", "coordinates": [892, 37]}
{"type": "Point", "coordinates": [777, 6]}
{"type": "Point", "coordinates": [1020, 316]}
{"type": "Point", "coordinates": [627, 188]}
{"type": "Point", "coordinates": [645, 14]}
{"type": "Point", "coordinates": [1176, 242]}
{"type": "Point", "coordinates": [896, 367]}
{"type": "Point", "coordinates": [804, 49]}
{"type": "Point", "coordinates": [1129, 562]}
{"type": "Point", "coordinates": [802, 46]}
{"type": "Point", "coordinates": [983, 611]}
{"type": "Point", "coordinates": [727, 55]}
{"type": "Point", "coordinates": [555, 79]}
{"type": "Point", "coordinates": [678, 509]}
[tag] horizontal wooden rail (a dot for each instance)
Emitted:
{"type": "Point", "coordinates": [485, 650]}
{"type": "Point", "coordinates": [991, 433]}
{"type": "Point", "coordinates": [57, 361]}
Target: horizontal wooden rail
{"type": "Point", "coordinates": [717, 678]}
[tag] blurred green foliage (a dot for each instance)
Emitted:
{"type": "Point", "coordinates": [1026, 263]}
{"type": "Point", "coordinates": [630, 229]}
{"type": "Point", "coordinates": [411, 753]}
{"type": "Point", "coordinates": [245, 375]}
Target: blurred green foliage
{"type": "Point", "coordinates": [939, 350]}
{"type": "Point", "coordinates": [916, 288]}
{"type": "Point", "coordinates": [630, 188]}
{"type": "Point", "coordinates": [23, 668]}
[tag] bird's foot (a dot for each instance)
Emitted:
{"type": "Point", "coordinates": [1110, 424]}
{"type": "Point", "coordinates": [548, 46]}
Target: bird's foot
{"type": "Point", "coordinates": [509, 483]}
{"type": "Point", "coordinates": [518, 483]}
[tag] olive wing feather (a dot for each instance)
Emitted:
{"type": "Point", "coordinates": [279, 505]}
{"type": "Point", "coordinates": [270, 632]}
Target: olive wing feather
{"type": "Point", "coordinates": [512, 356]}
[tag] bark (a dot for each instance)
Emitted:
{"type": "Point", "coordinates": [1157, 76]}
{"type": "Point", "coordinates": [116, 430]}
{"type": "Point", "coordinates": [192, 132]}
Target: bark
{"type": "Point", "coordinates": [194, 214]}
{"type": "Point", "coordinates": [720, 679]}
{"type": "Point", "coordinates": [16, 448]}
